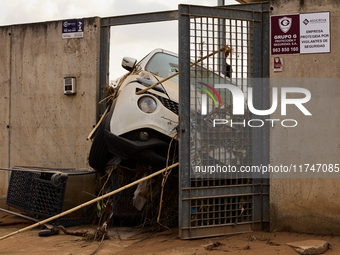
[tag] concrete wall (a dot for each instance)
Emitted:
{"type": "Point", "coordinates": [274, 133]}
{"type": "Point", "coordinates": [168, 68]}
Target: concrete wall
{"type": "Point", "coordinates": [5, 77]}
{"type": "Point", "coordinates": [308, 205]}
{"type": "Point", "coordinates": [40, 126]}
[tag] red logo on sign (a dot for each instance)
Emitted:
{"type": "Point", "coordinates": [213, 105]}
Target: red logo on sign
{"type": "Point", "coordinates": [278, 65]}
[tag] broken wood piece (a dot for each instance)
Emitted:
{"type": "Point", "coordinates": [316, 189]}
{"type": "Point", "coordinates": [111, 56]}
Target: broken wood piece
{"type": "Point", "coordinates": [100, 121]}
{"type": "Point", "coordinates": [73, 233]}
{"type": "Point", "coordinates": [309, 246]}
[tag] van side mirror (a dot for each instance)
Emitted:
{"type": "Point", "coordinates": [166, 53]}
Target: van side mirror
{"type": "Point", "coordinates": [129, 63]}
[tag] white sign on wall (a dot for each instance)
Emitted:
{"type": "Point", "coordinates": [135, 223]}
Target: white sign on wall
{"type": "Point", "coordinates": [73, 28]}
{"type": "Point", "coordinates": [314, 33]}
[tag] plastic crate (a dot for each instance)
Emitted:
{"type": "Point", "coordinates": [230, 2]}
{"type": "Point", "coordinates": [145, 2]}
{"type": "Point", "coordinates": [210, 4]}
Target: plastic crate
{"type": "Point", "coordinates": [19, 189]}
{"type": "Point", "coordinates": [34, 193]}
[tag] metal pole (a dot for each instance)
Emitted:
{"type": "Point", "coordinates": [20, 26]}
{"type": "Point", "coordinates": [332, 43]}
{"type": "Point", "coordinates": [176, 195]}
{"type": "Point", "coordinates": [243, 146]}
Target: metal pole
{"type": "Point", "coordinates": [220, 2]}
{"type": "Point", "coordinates": [184, 113]}
{"type": "Point", "coordinates": [222, 40]}
{"type": "Point", "coordinates": [104, 65]}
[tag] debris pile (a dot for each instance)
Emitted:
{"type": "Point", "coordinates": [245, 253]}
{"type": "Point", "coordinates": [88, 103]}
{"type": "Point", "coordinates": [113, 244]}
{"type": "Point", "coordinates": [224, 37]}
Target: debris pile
{"type": "Point", "coordinates": [141, 204]}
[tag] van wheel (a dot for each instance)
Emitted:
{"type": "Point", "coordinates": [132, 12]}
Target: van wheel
{"type": "Point", "coordinates": [99, 153]}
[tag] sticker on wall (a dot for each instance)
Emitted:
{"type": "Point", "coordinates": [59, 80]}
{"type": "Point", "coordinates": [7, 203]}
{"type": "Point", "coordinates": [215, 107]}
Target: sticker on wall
{"type": "Point", "coordinates": [315, 33]}
{"type": "Point", "coordinates": [73, 28]}
{"type": "Point", "coordinates": [278, 65]}
{"type": "Point", "coordinates": [300, 33]}
{"type": "Point", "coordinates": [285, 34]}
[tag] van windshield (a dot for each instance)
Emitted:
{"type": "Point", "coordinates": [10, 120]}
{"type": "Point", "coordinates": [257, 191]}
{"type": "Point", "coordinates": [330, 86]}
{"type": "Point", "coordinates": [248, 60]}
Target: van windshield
{"type": "Point", "coordinates": [164, 65]}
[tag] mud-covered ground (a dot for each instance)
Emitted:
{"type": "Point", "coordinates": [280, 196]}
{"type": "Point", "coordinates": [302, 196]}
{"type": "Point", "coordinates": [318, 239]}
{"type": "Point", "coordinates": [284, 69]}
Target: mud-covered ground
{"type": "Point", "coordinates": [129, 240]}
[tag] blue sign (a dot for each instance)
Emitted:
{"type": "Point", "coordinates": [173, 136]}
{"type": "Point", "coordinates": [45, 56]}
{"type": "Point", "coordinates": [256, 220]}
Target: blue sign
{"type": "Point", "coordinates": [73, 28]}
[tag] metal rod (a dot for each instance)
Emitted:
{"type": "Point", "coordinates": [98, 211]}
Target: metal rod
{"type": "Point", "coordinates": [139, 18]}
{"type": "Point", "coordinates": [21, 169]}
{"type": "Point", "coordinates": [25, 217]}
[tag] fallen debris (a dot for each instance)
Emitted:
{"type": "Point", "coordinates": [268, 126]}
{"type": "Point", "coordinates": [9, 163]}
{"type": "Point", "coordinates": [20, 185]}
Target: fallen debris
{"type": "Point", "coordinates": [140, 195]}
{"type": "Point", "coordinates": [101, 233]}
{"type": "Point", "coordinates": [73, 233]}
{"type": "Point", "coordinates": [310, 246]}
{"type": "Point", "coordinates": [247, 247]}
{"type": "Point", "coordinates": [213, 246]}
{"type": "Point", "coordinates": [274, 244]}
{"type": "Point", "coordinates": [268, 240]}
{"type": "Point", "coordinates": [89, 202]}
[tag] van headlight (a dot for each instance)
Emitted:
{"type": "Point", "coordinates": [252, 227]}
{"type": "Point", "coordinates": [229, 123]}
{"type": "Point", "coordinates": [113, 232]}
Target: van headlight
{"type": "Point", "coordinates": [147, 104]}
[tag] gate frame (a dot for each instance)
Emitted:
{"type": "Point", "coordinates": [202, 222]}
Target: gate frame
{"type": "Point", "coordinates": [259, 13]}
{"type": "Point", "coordinates": [106, 24]}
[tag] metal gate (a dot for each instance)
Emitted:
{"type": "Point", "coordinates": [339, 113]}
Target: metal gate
{"type": "Point", "coordinates": [221, 47]}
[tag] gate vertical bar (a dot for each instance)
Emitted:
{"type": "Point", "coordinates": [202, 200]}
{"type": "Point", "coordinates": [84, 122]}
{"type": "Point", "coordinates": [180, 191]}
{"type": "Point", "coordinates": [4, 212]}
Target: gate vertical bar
{"type": "Point", "coordinates": [266, 102]}
{"type": "Point", "coordinates": [184, 113]}
{"type": "Point", "coordinates": [263, 102]}
{"type": "Point", "coordinates": [257, 132]}
{"type": "Point", "coordinates": [261, 95]}
{"type": "Point", "coordinates": [221, 29]}
{"type": "Point", "coordinates": [104, 63]}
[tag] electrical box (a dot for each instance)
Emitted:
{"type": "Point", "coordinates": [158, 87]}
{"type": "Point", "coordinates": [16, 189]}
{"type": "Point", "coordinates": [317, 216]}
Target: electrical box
{"type": "Point", "coordinates": [70, 85]}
